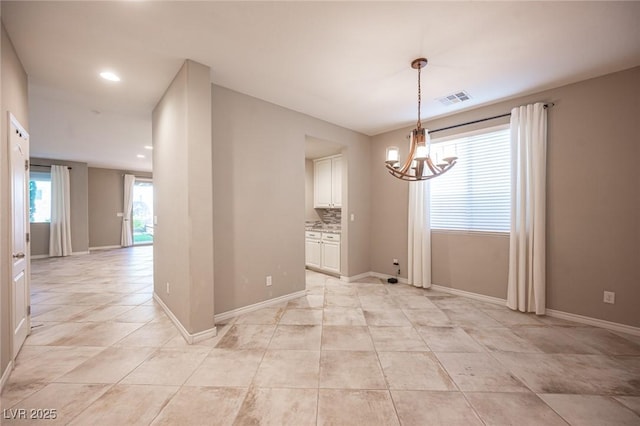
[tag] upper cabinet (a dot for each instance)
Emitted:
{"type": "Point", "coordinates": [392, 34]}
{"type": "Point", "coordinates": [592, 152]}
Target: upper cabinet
{"type": "Point", "coordinates": [327, 183]}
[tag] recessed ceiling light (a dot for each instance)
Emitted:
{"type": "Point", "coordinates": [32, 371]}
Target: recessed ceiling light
{"type": "Point", "coordinates": [140, 156]}
{"type": "Point", "coordinates": [149, 147]}
{"type": "Point", "coordinates": [108, 75]}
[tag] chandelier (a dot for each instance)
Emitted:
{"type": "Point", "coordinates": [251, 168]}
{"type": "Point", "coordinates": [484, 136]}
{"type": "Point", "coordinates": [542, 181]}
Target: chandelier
{"type": "Point", "coordinates": [419, 165]}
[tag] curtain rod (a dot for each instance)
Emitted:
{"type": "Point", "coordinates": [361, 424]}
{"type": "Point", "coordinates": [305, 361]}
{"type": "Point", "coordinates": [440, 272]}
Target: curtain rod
{"type": "Point", "coordinates": [547, 105]}
{"type": "Point", "coordinates": [47, 165]}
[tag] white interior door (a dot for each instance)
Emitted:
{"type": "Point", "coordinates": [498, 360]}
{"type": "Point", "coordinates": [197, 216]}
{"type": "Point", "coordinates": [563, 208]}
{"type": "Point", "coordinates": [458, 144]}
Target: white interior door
{"type": "Point", "coordinates": [20, 298]}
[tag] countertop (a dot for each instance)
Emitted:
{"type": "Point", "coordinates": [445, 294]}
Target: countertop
{"type": "Point", "coordinates": [326, 229]}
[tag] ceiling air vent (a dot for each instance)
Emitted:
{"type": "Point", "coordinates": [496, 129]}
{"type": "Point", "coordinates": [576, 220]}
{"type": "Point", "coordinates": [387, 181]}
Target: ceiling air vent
{"type": "Point", "coordinates": [454, 98]}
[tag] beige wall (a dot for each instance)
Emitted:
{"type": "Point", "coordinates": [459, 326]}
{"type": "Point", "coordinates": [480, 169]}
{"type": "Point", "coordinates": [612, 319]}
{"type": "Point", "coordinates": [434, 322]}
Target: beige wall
{"type": "Point", "coordinates": [14, 99]}
{"type": "Point", "coordinates": [593, 204]}
{"type": "Point", "coordinates": [259, 197]}
{"type": "Point", "coordinates": [78, 186]}
{"type": "Point", "coordinates": [96, 197]}
{"type": "Point", "coordinates": [106, 197]}
{"type": "Point", "coordinates": [183, 237]}
{"type": "Point", "coordinates": [309, 212]}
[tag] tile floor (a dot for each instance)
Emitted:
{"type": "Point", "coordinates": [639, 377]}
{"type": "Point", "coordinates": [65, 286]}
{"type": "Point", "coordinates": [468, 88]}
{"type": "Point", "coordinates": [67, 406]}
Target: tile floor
{"type": "Point", "coordinates": [366, 353]}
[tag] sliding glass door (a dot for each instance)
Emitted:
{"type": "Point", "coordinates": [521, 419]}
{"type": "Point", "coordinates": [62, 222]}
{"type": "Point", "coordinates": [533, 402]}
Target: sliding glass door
{"type": "Point", "coordinates": [143, 211]}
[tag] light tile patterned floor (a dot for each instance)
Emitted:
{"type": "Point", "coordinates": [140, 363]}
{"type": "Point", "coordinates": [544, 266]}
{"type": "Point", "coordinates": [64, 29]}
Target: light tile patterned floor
{"type": "Point", "coordinates": [102, 352]}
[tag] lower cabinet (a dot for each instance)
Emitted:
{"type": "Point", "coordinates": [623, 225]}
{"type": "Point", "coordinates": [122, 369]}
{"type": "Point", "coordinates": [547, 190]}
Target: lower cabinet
{"type": "Point", "coordinates": [313, 252]}
{"type": "Point", "coordinates": [322, 251]}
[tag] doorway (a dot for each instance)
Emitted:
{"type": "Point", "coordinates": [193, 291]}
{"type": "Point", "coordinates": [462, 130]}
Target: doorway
{"type": "Point", "coordinates": [142, 211]}
{"type": "Point", "coordinates": [325, 176]}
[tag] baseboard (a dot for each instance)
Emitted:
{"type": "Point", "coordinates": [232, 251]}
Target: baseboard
{"type": "Point", "coordinates": [615, 326]}
{"type": "Point", "coordinates": [386, 277]}
{"type": "Point", "coordinates": [470, 295]}
{"type": "Point", "coordinates": [355, 277]}
{"type": "Point", "coordinates": [104, 248]}
{"type": "Point", "coordinates": [265, 304]}
{"type": "Point", "coordinates": [596, 322]}
{"type": "Point", "coordinates": [44, 256]}
{"type": "Point", "coordinates": [5, 375]}
{"type": "Point", "coordinates": [188, 337]}
{"type": "Point", "coordinates": [323, 271]}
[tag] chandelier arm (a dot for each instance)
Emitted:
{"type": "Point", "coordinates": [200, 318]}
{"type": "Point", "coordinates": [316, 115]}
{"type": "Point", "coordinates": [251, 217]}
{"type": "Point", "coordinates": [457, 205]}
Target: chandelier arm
{"type": "Point", "coordinates": [398, 173]}
{"type": "Point", "coordinates": [412, 151]}
{"type": "Point", "coordinates": [407, 176]}
{"type": "Point", "coordinates": [431, 166]}
{"type": "Point", "coordinates": [410, 178]}
{"type": "Point", "coordinates": [402, 177]}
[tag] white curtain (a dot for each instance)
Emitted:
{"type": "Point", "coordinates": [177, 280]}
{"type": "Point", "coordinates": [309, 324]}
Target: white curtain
{"type": "Point", "coordinates": [527, 269]}
{"type": "Point", "coordinates": [419, 265]}
{"type": "Point", "coordinates": [126, 238]}
{"type": "Point", "coordinates": [60, 226]}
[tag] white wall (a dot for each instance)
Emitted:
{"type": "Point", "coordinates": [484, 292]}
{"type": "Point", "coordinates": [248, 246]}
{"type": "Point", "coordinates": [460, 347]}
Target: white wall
{"type": "Point", "coordinates": [183, 239]}
{"type": "Point", "coordinates": [259, 197]}
{"type": "Point", "coordinates": [310, 213]}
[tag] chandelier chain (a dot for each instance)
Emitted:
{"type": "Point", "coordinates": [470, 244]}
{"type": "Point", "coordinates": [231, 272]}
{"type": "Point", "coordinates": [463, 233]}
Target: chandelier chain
{"type": "Point", "coordinates": [419, 123]}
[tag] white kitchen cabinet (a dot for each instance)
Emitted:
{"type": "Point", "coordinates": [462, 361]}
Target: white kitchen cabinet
{"type": "Point", "coordinates": [327, 182]}
{"type": "Point", "coordinates": [313, 249]}
{"type": "Point", "coordinates": [336, 181]}
{"type": "Point", "coordinates": [322, 251]}
{"type": "Point", "coordinates": [331, 253]}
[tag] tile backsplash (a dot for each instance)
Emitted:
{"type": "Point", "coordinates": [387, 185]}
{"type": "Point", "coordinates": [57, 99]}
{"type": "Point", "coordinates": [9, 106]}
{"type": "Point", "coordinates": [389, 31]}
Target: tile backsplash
{"type": "Point", "coordinates": [330, 216]}
{"type": "Point", "coordinates": [329, 219]}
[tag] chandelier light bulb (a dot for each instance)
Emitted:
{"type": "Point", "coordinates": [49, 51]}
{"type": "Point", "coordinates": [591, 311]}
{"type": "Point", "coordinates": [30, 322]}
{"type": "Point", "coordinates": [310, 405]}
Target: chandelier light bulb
{"type": "Point", "coordinates": [393, 155]}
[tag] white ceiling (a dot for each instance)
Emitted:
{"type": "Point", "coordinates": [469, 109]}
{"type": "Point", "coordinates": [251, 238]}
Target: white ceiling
{"type": "Point", "coordinates": [343, 62]}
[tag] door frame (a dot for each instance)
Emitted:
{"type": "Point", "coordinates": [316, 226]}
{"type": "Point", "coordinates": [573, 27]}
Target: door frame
{"type": "Point", "coordinates": [148, 180]}
{"type": "Point", "coordinates": [14, 123]}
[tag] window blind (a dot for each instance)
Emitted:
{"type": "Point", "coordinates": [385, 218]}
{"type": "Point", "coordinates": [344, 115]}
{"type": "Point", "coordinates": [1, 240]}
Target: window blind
{"type": "Point", "coordinates": [475, 194]}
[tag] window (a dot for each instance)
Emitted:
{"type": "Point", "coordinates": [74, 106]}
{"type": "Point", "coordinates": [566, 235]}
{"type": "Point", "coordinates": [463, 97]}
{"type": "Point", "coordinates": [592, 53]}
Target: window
{"type": "Point", "coordinates": [475, 194]}
{"type": "Point", "coordinates": [142, 211]}
{"type": "Point", "coordinates": [39, 197]}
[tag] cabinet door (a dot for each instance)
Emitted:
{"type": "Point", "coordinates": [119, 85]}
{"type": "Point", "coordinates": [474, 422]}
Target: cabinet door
{"type": "Point", "coordinates": [313, 255]}
{"type": "Point", "coordinates": [331, 256]}
{"type": "Point", "coordinates": [336, 182]}
{"type": "Point", "coordinates": [322, 184]}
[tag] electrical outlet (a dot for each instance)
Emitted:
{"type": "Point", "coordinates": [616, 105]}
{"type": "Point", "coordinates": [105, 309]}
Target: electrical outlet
{"type": "Point", "coordinates": [609, 297]}
{"type": "Point", "coordinates": [269, 280]}
{"type": "Point", "coordinates": [353, 217]}
{"type": "Point", "coordinates": [168, 288]}
{"type": "Point", "coordinates": [395, 262]}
